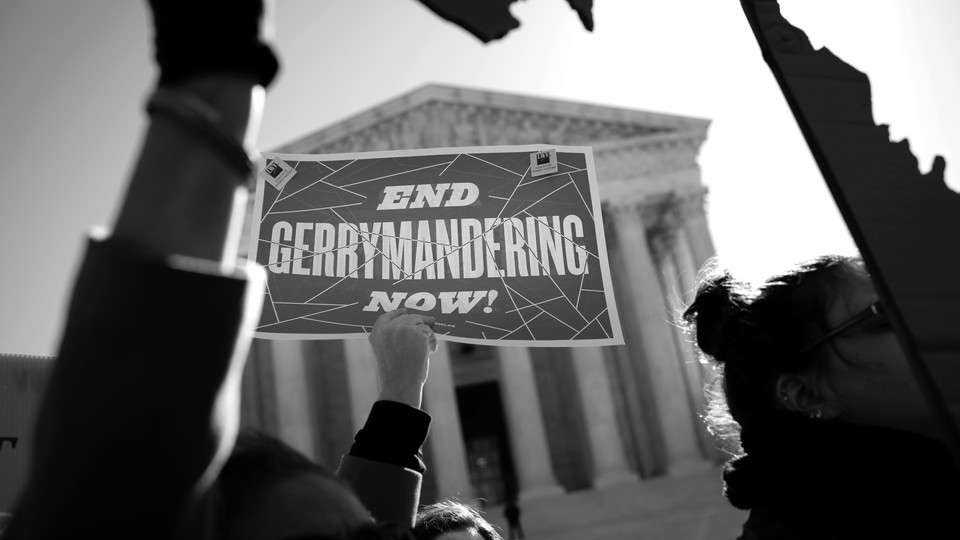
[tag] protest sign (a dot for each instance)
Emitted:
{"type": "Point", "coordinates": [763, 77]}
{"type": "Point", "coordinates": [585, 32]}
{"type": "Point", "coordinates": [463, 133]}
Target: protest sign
{"type": "Point", "coordinates": [502, 245]}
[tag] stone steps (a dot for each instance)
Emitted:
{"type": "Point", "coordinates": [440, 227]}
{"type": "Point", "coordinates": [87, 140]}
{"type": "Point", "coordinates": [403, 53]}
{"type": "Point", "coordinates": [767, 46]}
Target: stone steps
{"type": "Point", "coordinates": [682, 506]}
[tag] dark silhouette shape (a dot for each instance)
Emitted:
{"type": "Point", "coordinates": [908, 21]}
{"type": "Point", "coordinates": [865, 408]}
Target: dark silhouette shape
{"type": "Point", "coordinates": [904, 222]}
{"type": "Point", "coordinates": [512, 512]}
{"type": "Point", "coordinates": [488, 20]}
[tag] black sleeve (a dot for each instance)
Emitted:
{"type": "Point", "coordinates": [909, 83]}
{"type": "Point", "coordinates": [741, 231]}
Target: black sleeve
{"type": "Point", "coordinates": [394, 433]}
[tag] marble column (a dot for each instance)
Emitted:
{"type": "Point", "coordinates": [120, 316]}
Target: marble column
{"type": "Point", "coordinates": [687, 272]}
{"type": "Point", "coordinates": [528, 439]}
{"type": "Point", "coordinates": [610, 465]}
{"type": "Point", "coordinates": [446, 436]}
{"type": "Point", "coordinates": [698, 231]}
{"type": "Point", "coordinates": [361, 379]}
{"type": "Point", "coordinates": [672, 282]}
{"type": "Point", "coordinates": [659, 347]}
{"type": "Point", "coordinates": [699, 374]}
{"type": "Point", "coordinates": [295, 425]}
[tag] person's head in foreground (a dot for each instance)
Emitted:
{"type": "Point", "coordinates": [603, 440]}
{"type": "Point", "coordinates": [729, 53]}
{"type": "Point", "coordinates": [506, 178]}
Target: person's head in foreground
{"type": "Point", "coordinates": [450, 520]}
{"type": "Point", "coordinates": [814, 342]}
{"type": "Point", "coordinates": [270, 491]}
{"type": "Point", "coordinates": [815, 392]}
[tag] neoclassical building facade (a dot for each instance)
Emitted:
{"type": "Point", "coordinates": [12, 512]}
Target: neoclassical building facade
{"type": "Point", "coordinates": [529, 422]}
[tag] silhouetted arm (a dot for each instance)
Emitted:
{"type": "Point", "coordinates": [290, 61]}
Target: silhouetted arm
{"type": "Point", "coordinates": [142, 405]}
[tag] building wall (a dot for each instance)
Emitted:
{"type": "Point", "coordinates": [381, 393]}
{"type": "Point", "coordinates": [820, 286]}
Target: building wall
{"type": "Point", "coordinates": [22, 382]}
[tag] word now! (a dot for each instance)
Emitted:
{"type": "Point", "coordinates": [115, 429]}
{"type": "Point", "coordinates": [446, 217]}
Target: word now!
{"type": "Point", "coordinates": [450, 302]}
{"type": "Point", "coordinates": [398, 197]}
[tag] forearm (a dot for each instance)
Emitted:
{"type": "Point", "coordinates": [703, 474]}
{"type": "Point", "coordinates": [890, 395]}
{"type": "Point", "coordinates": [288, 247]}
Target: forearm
{"type": "Point", "coordinates": [184, 197]}
{"type": "Point", "coordinates": [142, 405]}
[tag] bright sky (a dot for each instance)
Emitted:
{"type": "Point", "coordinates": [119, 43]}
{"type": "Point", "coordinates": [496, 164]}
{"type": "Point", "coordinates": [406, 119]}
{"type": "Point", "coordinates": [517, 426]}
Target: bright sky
{"type": "Point", "coordinates": [75, 74]}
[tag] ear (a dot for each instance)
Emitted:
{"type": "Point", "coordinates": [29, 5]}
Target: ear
{"type": "Point", "coordinates": [800, 393]}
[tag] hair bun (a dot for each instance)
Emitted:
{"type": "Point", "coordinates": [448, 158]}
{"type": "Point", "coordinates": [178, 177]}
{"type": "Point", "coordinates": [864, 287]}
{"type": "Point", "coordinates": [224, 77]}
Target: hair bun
{"type": "Point", "coordinates": [712, 312]}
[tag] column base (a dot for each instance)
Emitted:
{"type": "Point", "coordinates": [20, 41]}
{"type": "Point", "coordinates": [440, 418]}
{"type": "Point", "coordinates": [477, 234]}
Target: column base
{"type": "Point", "coordinates": [615, 478]}
{"type": "Point", "coordinates": [548, 490]}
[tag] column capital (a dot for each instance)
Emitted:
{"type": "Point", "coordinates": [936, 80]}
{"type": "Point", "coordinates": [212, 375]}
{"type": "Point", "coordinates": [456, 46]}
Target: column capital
{"type": "Point", "coordinates": [665, 210]}
{"type": "Point", "coordinates": [625, 206]}
{"type": "Point", "coordinates": [662, 241]}
{"type": "Point", "coordinates": [693, 202]}
{"type": "Point", "coordinates": [662, 213]}
{"type": "Point", "coordinates": [661, 219]}
{"type": "Point", "coordinates": [620, 215]}
{"type": "Point", "coordinates": [652, 154]}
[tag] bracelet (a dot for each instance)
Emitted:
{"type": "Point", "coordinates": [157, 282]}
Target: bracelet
{"type": "Point", "coordinates": [206, 122]}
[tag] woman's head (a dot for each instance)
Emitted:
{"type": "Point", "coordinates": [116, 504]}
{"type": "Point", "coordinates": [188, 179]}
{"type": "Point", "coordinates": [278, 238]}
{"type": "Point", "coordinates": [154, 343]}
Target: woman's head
{"type": "Point", "coordinates": [773, 352]}
{"type": "Point", "coordinates": [451, 520]}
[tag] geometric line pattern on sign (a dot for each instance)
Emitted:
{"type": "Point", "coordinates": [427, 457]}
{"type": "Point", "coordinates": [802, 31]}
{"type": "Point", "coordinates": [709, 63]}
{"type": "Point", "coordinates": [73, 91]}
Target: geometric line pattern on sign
{"type": "Point", "coordinates": [591, 322]}
{"type": "Point", "coordinates": [341, 177]}
{"type": "Point", "coordinates": [308, 186]}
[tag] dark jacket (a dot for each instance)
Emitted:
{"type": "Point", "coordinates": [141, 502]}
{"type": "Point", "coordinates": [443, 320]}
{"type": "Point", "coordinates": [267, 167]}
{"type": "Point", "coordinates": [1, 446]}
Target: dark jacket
{"type": "Point", "coordinates": [385, 465]}
{"type": "Point", "coordinates": [146, 386]}
{"type": "Point", "coordinates": [802, 478]}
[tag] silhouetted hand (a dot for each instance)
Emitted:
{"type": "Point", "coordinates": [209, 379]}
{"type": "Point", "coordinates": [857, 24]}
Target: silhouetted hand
{"type": "Point", "coordinates": [491, 19]}
{"type": "Point", "coordinates": [199, 37]}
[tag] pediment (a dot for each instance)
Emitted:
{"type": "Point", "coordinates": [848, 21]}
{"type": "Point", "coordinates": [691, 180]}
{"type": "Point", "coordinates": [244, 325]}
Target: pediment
{"type": "Point", "coordinates": [444, 116]}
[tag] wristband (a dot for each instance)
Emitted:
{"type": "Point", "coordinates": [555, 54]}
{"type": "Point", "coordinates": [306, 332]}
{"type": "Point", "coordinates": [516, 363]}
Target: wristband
{"type": "Point", "coordinates": [191, 111]}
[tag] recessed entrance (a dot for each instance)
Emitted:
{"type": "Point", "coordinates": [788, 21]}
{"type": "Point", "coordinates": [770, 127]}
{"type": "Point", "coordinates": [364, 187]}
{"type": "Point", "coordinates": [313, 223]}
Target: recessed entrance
{"type": "Point", "coordinates": [487, 444]}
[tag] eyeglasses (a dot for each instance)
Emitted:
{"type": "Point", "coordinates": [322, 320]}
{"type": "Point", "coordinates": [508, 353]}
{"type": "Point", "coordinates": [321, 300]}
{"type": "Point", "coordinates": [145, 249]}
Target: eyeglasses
{"type": "Point", "coordinates": [872, 311]}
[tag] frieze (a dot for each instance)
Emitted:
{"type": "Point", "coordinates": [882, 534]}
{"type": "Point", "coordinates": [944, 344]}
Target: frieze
{"type": "Point", "coordinates": [644, 158]}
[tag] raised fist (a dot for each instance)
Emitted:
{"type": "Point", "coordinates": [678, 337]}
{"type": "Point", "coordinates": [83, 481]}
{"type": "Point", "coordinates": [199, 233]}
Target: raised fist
{"type": "Point", "coordinates": [402, 344]}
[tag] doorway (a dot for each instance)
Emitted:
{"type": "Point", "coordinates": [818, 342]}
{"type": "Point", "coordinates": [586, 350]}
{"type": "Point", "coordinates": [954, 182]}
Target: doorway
{"type": "Point", "coordinates": [490, 462]}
